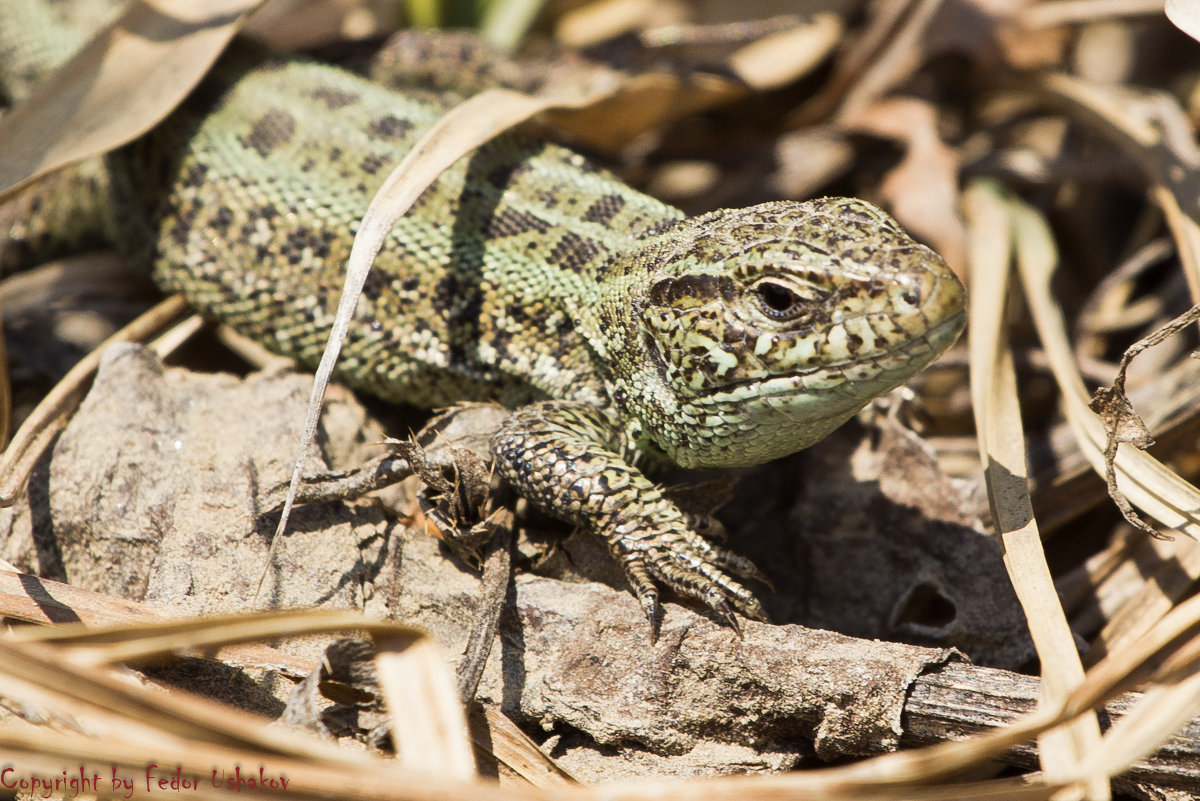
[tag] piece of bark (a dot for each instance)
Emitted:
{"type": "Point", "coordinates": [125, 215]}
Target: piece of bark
{"type": "Point", "coordinates": [154, 504]}
{"type": "Point", "coordinates": [165, 470]}
{"type": "Point", "coordinates": [955, 701]}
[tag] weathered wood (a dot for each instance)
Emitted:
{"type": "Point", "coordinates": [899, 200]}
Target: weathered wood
{"type": "Point", "coordinates": [959, 700]}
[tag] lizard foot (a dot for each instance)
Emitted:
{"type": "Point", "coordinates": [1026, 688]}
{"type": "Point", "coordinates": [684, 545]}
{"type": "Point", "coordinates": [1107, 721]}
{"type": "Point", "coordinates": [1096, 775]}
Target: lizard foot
{"type": "Point", "coordinates": [569, 461]}
{"type": "Point", "coordinates": [691, 566]}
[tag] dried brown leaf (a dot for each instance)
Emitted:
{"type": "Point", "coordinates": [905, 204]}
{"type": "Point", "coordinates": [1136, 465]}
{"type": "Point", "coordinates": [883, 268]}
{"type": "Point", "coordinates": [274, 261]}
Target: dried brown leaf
{"type": "Point", "coordinates": [922, 190]}
{"type": "Point", "coordinates": [781, 58]}
{"type": "Point", "coordinates": [290, 25]}
{"type": "Point", "coordinates": [122, 83]}
{"type": "Point", "coordinates": [595, 22]}
{"type": "Point", "coordinates": [1185, 15]}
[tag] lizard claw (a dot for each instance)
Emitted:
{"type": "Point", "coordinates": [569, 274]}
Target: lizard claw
{"type": "Point", "coordinates": [644, 588]}
{"type": "Point", "coordinates": [690, 566]}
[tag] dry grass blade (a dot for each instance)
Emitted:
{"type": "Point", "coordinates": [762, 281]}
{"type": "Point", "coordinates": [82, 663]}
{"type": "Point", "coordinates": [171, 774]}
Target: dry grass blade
{"type": "Point", "coordinates": [39, 600]}
{"type": "Point", "coordinates": [38, 673]}
{"type": "Point", "coordinates": [1170, 644]}
{"type": "Point", "coordinates": [117, 87]}
{"type": "Point", "coordinates": [514, 748]}
{"type": "Point", "coordinates": [1165, 706]}
{"type": "Point", "coordinates": [429, 728]}
{"type": "Point", "coordinates": [893, 776]}
{"type": "Point", "coordinates": [156, 639]}
{"type": "Point", "coordinates": [1149, 484]}
{"type": "Point", "coordinates": [1068, 12]}
{"type": "Point", "coordinates": [197, 734]}
{"type": "Point", "coordinates": [1162, 709]}
{"type": "Point", "coordinates": [50, 416]}
{"type": "Point", "coordinates": [1154, 132]}
{"type": "Point", "coordinates": [1002, 449]}
{"type": "Point", "coordinates": [62, 670]}
{"type": "Point", "coordinates": [117, 630]}
{"type": "Point", "coordinates": [878, 60]}
{"type": "Point", "coordinates": [1155, 597]}
{"type": "Point", "coordinates": [1185, 231]}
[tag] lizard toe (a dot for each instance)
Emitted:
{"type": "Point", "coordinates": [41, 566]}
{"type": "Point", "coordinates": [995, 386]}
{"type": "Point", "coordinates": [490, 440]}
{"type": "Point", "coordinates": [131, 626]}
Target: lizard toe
{"type": "Point", "coordinates": [696, 576]}
{"type": "Point", "coordinates": [642, 584]}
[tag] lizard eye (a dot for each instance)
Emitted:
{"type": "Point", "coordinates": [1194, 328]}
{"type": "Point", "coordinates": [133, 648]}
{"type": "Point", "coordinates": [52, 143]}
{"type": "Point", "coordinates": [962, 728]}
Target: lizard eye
{"type": "Point", "coordinates": [779, 302]}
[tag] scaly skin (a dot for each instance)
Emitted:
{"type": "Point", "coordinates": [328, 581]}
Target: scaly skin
{"type": "Point", "coordinates": [620, 332]}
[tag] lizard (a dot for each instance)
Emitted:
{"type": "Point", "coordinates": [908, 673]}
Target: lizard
{"type": "Point", "coordinates": [622, 334]}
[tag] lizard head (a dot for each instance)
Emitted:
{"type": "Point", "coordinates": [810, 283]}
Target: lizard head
{"type": "Point", "coordinates": [756, 332]}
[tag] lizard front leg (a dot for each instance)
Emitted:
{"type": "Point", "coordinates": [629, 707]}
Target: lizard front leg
{"type": "Point", "coordinates": [567, 459]}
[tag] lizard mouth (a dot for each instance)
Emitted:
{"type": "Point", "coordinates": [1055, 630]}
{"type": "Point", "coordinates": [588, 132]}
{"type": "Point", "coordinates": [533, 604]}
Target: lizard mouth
{"type": "Point", "coordinates": [875, 374]}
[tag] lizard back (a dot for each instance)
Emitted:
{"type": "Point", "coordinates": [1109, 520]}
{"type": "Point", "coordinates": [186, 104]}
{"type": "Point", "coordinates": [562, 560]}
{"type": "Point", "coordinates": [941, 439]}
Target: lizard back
{"type": "Point", "coordinates": [248, 198]}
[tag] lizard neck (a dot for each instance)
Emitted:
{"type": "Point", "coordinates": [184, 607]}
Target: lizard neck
{"type": "Point", "coordinates": [632, 364]}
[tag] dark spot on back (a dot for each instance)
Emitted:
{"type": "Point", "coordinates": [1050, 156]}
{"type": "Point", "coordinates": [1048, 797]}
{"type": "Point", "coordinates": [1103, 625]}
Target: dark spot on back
{"type": "Point", "coordinates": [390, 127]}
{"type": "Point", "coordinates": [514, 223]}
{"type": "Point", "coordinates": [273, 129]}
{"type": "Point", "coordinates": [372, 164]}
{"type": "Point", "coordinates": [197, 175]}
{"type": "Point", "coordinates": [604, 209]}
{"type": "Point", "coordinates": [660, 227]}
{"type": "Point", "coordinates": [376, 284]}
{"type": "Point", "coordinates": [573, 252]}
{"type": "Point", "coordinates": [499, 175]}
